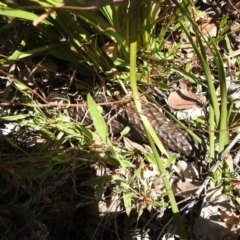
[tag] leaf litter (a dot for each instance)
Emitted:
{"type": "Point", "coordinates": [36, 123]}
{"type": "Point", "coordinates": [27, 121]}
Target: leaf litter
{"type": "Point", "coordinates": [217, 219]}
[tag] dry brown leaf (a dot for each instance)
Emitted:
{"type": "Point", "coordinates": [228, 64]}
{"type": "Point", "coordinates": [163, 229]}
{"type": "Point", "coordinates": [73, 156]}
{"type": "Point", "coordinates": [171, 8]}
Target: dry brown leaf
{"type": "Point", "coordinates": [207, 27]}
{"type": "Point", "coordinates": [112, 206]}
{"type": "Point", "coordinates": [229, 217]}
{"type": "Point", "coordinates": [131, 145]}
{"type": "Point", "coordinates": [187, 171]}
{"type": "Point", "coordinates": [187, 48]}
{"type": "Point", "coordinates": [185, 84]}
{"type": "Point", "coordinates": [147, 172]}
{"type": "Point", "coordinates": [168, 45]}
{"type": "Point", "coordinates": [185, 189]}
{"type": "Point", "coordinates": [235, 186]}
{"type": "Point", "coordinates": [190, 114]}
{"type": "Point", "coordinates": [182, 99]}
{"type": "Point", "coordinates": [111, 50]}
{"type": "Point", "coordinates": [214, 221]}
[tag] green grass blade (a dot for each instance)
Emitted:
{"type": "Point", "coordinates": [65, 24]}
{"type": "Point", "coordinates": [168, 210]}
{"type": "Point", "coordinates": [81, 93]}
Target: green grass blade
{"type": "Point", "coordinates": [224, 124]}
{"type": "Point", "coordinates": [148, 128]}
{"type": "Point", "coordinates": [98, 121]}
{"type": "Point", "coordinates": [7, 11]}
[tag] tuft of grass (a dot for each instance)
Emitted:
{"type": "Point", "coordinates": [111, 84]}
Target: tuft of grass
{"type": "Point", "coordinates": [218, 109]}
{"type": "Point", "coordinates": [79, 36]}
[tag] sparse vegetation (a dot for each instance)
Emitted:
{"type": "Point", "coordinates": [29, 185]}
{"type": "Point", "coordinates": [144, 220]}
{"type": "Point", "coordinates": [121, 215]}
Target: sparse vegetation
{"type": "Point", "coordinates": [65, 68]}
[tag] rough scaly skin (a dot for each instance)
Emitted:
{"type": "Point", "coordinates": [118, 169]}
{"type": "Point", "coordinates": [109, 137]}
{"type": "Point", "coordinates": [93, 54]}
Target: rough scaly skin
{"type": "Point", "coordinates": [173, 137]}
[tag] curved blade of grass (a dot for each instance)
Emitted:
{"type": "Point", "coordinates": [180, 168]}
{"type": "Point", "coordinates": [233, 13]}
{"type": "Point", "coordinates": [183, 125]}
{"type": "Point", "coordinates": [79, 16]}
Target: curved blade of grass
{"type": "Point", "coordinates": [11, 12]}
{"type": "Point", "coordinates": [15, 117]}
{"type": "Point", "coordinates": [100, 24]}
{"type": "Point", "coordinates": [148, 128]}
{"type": "Point", "coordinates": [202, 58]}
{"type": "Point", "coordinates": [20, 55]}
{"type": "Point", "coordinates": [8, 26]}
{"type": "Point", "coordinates": [190, 77]}
{"type": "Point", "coordinates": [79, 33]}
{"type": "Point", "coordinates": [214, 113]}
{"type": "Point", "coordinates": [98, 121]}
{"type": "Point", "coordinates": [219, 115]}
{"type": "Point", "coordinates": [127, 201]}
{"type": "Point", "coordinates": [15, 145]}
{"type": "Point", "coordinates": [72, 29]}
{"type": "Point", "coordinates": [224, 120]}
{"type": "Point", "coordinates": [101, 180]}
{"type": "Point", "coordinates": [224, 124]}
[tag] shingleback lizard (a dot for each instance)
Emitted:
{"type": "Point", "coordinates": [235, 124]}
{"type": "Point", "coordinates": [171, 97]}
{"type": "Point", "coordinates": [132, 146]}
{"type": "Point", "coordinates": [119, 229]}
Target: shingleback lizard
{"type": "Point", "coordinates": [171, 134]}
